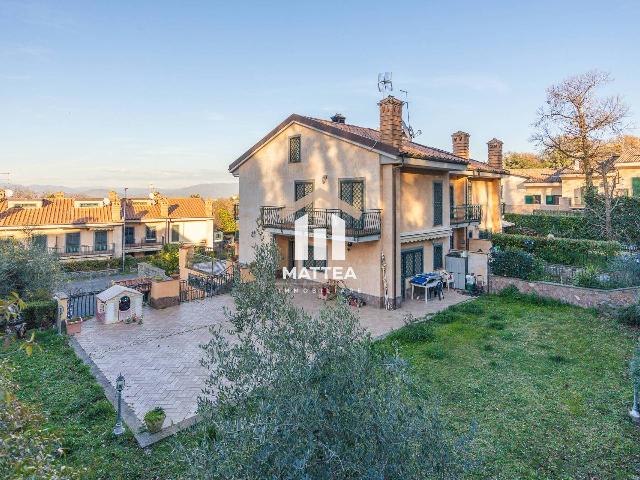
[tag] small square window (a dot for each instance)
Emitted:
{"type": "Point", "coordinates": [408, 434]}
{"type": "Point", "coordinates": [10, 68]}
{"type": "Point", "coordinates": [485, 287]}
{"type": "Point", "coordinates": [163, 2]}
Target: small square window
{"type": "Point", "coordinates": [294, 150]}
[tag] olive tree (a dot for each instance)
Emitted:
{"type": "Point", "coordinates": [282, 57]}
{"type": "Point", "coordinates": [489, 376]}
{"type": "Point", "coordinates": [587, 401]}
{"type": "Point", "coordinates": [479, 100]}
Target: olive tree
{"type": "Point", "coordinates": [27, 269]}
{"type": "Point", "coordinates": [291, 395]}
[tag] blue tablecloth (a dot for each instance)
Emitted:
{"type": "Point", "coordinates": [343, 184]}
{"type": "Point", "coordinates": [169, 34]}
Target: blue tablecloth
{"type": "Point", "coordinates": [424, 278]}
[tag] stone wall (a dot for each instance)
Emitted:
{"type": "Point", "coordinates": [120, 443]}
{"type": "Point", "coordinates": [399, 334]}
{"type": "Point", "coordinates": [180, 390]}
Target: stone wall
{"type": "Point", "coordinates": [583, 297]}
{"type": "Point", "coordinates": [151, 271]}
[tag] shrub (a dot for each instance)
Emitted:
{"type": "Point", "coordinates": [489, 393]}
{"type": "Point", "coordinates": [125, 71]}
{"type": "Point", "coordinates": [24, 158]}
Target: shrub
{"type": "Point", "coordinates": [27, 269]}
{"type": "Point", "coordinates": [300, 396]}
{"type": "Point", "coordinates": [565, 251]}
{"type": "Point", "coordinates": [168, 259]}
{"type": "Point", "coordinates": [40, 313]}
{"type": "Point", "coordinates": [415, 331]}
{"type": "Point", "coordinates": [517, 264]}
{"type": "Point", "coordinates": [563, 226]}
{"type": "Point", "coordinates": [629, 315]}
{"type": "Point", "coordinates": [99, 265]}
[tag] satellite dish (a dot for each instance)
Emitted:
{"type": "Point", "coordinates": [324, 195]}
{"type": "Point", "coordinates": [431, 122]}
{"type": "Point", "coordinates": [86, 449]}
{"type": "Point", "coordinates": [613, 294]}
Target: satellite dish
{"type": "Point", "coordinates": [8, 193]}
{"type": "Point", "coordinates": [151, 195]}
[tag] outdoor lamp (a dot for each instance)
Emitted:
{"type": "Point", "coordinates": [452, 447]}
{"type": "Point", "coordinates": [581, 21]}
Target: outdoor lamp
{"type": "Point", "coordinates": [119, 429]}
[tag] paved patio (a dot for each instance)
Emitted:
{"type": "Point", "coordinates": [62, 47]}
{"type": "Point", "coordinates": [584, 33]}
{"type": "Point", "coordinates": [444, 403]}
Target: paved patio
{"type": "Point", "coordinates": [160, 359]}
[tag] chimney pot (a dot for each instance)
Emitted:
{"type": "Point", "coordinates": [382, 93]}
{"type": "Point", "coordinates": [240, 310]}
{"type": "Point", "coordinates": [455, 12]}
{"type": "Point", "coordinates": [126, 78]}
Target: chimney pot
{"type": "Point", "coordinates": [391, 131]}
{"type": "Point", "coordinates": [208, 207]}
{"type": "Point", "coordinates": [116, 208]}
{"type": "Point", "coordinates": [338, 118]}
{"type": "Point", "coordinates": [495, 153]}
{"type": "Point", "coordinates": [460, 142]}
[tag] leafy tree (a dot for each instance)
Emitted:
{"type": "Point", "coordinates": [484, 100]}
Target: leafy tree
{"type": "Point", "coordinates": [577, 124]}
{"type": "Point", "coordinates": [223, 212]}
{"type": "Point", "coordinates": [167, 259]}
{"type": "Point", "coordinates": [522, 160]}
{"type": "Point", "coordinates": [295, 396]}
{"type": "Point", "coordinates": [27, 269]}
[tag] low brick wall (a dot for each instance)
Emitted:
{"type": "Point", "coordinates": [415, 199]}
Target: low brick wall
{"type": "Point", "coordinates": [583, 297]}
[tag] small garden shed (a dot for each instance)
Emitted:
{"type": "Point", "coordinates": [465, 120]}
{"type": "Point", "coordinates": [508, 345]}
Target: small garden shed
{"type": "Point", "coordinates": [118, 304]}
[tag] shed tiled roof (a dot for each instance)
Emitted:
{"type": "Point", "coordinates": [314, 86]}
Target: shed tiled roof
{"type": "Point", "coordinates": [59, 211]}
{"type": "Point", "coordinates": [178, 208]}
{"type": "Point", "coordinates": [369, 138]}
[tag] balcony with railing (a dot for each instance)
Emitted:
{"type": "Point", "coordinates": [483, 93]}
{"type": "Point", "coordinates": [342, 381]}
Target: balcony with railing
{"type": "Point", "coordinates": [68, 251]}
{"type": "Point", "coordinates": [465, 214]}
{"type": "Point", "coordinates": [143, 245]}
{"type": "Point", "coordinates": [281, 220]}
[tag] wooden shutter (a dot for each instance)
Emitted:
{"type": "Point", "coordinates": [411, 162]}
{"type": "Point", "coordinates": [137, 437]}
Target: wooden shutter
{"type": "Point", "coordinates": [635, 186]}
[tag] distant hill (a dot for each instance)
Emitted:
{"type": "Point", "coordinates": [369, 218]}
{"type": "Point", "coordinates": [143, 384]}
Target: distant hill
{"type": "Point", "coordinates": [212, 190]}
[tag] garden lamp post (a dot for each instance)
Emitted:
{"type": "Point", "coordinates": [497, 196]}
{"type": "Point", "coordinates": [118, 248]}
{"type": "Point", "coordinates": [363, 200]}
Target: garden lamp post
{"type": "Point", "coordinates": [634, 413]}
{"type": "Point", "coordinates": [119, 429]}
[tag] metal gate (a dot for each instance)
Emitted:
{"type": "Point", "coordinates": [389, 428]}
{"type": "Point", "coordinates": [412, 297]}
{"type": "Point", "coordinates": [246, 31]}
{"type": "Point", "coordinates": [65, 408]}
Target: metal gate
{"type": "Point", "coordinates": [198, 287]}
{"type": "Point", "coordinates": [457, 266]}
{"type": "Point", "coordinates": [82, 304]}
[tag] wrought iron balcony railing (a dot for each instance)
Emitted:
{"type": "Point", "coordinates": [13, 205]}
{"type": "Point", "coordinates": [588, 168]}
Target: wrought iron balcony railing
{"type": "Point", "coordinates": [278, 217]}
{"type": "Point", "coordinates": [82, 250]}
{"type": "Point", "coordinates": [145, 243]}
{"type": "Point", "coordinates": [466, 214]}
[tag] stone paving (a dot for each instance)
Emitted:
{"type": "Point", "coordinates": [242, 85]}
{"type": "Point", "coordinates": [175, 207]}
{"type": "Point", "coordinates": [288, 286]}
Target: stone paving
{"type": "Point", "coordinates": [160, 359]}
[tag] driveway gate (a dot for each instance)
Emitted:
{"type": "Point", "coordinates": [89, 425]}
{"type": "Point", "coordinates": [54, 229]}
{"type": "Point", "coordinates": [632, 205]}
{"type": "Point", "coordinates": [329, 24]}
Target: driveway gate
{"type": "Point", "coordinates": [82, 304]}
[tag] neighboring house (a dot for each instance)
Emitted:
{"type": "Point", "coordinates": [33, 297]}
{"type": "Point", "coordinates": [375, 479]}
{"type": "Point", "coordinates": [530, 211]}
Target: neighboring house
{"type": "Point", "coordinates": [72, 228]}
{"type": "Point", "coordinates": [155, 220]}
{"type": "Point", "coordinates": [80, 229]}
{"type": "Point", "coordinates": [416, 202]}
{"type": "Point", "coordinates": [528, 189]}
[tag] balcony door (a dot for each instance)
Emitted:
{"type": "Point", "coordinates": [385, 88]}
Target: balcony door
{"type": "Point", "coordinates": [72, 242]}
{"type": "Point", "coordinates": [129, 235]}
{"type": "Point", "coordinates": [100, 239]}
{"type": "Point", "coordinates": [352, 192]}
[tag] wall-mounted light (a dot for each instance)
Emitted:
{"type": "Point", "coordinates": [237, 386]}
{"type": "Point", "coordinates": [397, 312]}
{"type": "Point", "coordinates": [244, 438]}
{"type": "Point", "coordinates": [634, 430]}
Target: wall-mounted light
{"type": "Point", "coordinates": [324, 179]}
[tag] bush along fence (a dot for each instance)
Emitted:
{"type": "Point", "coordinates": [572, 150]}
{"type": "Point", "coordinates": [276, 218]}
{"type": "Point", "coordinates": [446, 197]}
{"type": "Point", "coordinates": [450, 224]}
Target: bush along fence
{"type": "Point", "coordinates": [564, 226]}
{"type": "Point", "coordinates": [563, 251]}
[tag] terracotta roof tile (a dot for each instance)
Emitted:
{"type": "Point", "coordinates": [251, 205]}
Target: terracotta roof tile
{"type": "Point", "coordinates": [52, 212]}
{"type": "Point", "coordinates": [178, 208]}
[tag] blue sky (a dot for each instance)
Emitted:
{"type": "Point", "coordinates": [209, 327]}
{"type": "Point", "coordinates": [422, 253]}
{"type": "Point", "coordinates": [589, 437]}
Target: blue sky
{"type": "Point", "coordinates": [130, 93]}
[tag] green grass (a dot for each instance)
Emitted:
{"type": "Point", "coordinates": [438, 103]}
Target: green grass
{"type": "Point", "coordinates": [546, 383]}
{"type": "Point", "coordinates": [76, 408]}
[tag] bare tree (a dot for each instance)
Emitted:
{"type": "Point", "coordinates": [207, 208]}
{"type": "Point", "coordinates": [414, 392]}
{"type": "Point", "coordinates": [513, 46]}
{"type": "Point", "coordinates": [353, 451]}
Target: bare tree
{"type": "Point", "coordinates": [577, 124]}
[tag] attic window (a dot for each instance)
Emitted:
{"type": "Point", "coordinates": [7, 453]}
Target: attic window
{"type": "Point", "coordinates": [23, 205]}
{"type": "Point", "coordinates": [294, 150]}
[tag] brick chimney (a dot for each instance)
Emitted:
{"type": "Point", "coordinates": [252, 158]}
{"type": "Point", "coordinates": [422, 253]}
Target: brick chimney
{"type": "Point", "coordinates": [495, 153]}
{"type": "Point", "coordinates": [116, 208]}
{"type": "Point", "coordinates": [3, 194]}
{"type": "Point", "coordinates": [58, 195]}
{"type": "Point", "coordinates": [391, 121]}
{"type": "Point", "coordinates": [208, 207]}
{"type": "Point", "coordinates": [460, 142]}
{"type": "Point", "coordinates": [164, 206]}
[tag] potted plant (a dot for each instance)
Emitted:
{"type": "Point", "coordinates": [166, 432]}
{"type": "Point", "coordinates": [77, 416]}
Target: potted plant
{"type": "Point", "coordinates": [154, 419]}
{"type": "Point", "coordinates": [74, 326]}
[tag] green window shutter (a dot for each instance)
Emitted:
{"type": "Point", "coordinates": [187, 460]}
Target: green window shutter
{"type": "Point", "coordinates": [437, 256]}
{"type": "Point", "coordinates": [635, 186]}
{"type": "Point", "coordinates": [528, 199]}
{"type": "Point", "coordinates": [549, 200]}
{"type": "Point", "coordinates": [437, 203]}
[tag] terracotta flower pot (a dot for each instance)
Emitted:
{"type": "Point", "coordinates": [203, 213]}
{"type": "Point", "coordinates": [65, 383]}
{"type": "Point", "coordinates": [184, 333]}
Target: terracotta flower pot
{"type": "Point", "coordinates": [74, 327]}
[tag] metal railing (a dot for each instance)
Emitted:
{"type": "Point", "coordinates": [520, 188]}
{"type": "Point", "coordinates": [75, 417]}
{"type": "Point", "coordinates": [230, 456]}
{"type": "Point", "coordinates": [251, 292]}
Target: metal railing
{"type": "Point", "coordinates": [278, 217]}
{"type": "Point", "coordinates": [466, 214]}
{"type": "Point", "coordinates": [145, 243]}
{"type": "Point", "coordinates": [81, 250]}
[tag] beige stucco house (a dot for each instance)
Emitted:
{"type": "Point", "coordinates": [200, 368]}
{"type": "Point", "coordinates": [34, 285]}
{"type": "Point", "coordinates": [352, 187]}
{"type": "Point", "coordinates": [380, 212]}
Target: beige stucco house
{"type": "Point", "coordinates": [528, 189]}
{"type": "Point", "coordinates": [93, 228]}
{"type": "Point", "coordinates": [416, 202]}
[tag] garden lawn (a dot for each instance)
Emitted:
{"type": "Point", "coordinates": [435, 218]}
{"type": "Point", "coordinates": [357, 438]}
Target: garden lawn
{"type": "Point", "coordinates": [62, 386]}
{"type": "Point", "coordinates": [547, 385]}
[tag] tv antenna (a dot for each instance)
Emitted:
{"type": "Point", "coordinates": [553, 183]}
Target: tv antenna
{"type": "Point", "coordinates": [406, 127]}
{"type": "Point", "coordinates": [384, 83]}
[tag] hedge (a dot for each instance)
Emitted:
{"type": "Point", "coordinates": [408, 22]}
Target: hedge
{"type": "Point", "coordinates": [40, 313]}
{"type": "Point", "coordinates": [97, 265]}
{"type": "Point", "coordinates": [565, 226]}
{"type": "Point", "coordinates": [565, 251]}
{"type": "Point", "coordinates": [517, 264]}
